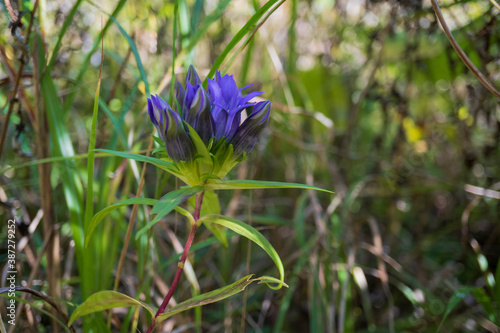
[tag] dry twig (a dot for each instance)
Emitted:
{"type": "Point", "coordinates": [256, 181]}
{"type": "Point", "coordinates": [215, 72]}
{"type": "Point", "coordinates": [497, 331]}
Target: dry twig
{"type": "Point", "coordinates": [477, 73]}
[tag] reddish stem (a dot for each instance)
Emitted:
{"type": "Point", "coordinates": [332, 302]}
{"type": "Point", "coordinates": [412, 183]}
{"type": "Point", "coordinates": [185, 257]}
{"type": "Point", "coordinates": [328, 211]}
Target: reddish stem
{"type": "Point", "coordinates": [180, 264]}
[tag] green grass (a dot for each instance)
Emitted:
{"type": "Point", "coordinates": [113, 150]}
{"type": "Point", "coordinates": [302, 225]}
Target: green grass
{"type": "Point", "coordinates": [403, 245]}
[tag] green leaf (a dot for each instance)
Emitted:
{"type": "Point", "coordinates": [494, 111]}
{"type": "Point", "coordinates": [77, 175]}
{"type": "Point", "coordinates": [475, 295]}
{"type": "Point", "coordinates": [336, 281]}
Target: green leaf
{"type": "Point", "coordinates": [253, 184]}
{"type": "Point", "coordinates": [209, 206]}
{"type": "Point", "coordinates": [162, 164]}
{"type": "Point", "coordinates": [486, 302]}
{"type": "Point", "coordinates": [185, 213]}
{"type": "Point", "coordinates": [204, 161]}
{"type": "Point", "coordinates": [252, 234]}
{"type": "Point", "coordinates": [455, 300]}
{"type": "Point", "coordinates": [168, 202]}
{"type": "Point", "coordinates": [158, 141]}
{"type": "Point", "coordinates": [207, 298]}
{"type": "Point", "coordinates": [89, 204]}
{"type": "Point", "coordinates": [218, 231]}
{"type": "Point", "coordinates": [99, 216]}
{"type": "Point", "coordinates": [104, 300]}
{"type": "Point", "coordinates": [269, 279]}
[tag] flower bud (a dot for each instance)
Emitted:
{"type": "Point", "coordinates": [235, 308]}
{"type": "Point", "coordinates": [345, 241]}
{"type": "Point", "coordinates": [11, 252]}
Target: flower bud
{"type": "Point", "coordinates": [194, 102]}
{"type": "Point", "coordinates": [248, 133]}
{"type": "Point", "coordinates": [204, 122]}
{"type": "Point", "coordinates": [156, 110]}
{"type": "Point", "coordinates": [180, 94]}
{"type": "Point", "coordinates": [192, 77]}
{"type": "Point", "coordinates": [178, 144]}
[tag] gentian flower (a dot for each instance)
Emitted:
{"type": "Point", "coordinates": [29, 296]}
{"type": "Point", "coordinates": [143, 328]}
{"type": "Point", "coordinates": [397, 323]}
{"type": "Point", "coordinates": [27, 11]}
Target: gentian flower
{"type": "Point", "coordinates": [171, 130]}
{"type": "Point", "coordinates": [204, 129]}
{"type": "Point", "coordinates": [228, 103]}
{"type": "Point", "coordinates": [248, 133]}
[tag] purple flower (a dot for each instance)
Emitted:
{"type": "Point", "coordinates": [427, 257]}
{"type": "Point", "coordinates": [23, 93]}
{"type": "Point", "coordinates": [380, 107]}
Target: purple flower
{"type": "Point", "coordinates": [214, 115]}
{"type": "Point", "coordinates": [178, 143]}
{"type": "Point", "coordinates": [248, 133]}
{"type": "Point", "coordinates": [227, 104]}
{"type": "Point", "coordinates": [157, 112]}
{"type": "Point", "coordinates": [171, 130]}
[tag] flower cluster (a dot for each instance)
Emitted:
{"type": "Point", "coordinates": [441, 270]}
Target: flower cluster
{"type": "Point", "coordinates": [214, 117]}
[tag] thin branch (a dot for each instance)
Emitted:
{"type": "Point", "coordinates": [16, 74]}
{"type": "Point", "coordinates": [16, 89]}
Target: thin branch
{"type": "Point", "coordinates": [477, 73]}
{"type": "Point", "coordinates": [494, 3]}
{"type": "Point", "coordinates": [11, 11]}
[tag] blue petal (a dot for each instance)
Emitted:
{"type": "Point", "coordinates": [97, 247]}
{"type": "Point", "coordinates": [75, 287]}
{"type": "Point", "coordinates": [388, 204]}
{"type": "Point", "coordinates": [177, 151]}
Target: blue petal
{"type": "Point", "coordinates": [152, 112]}
{"type": "Point", "coordinates": [178, 144]}
{"type": "Point", "coordinates": [214, 90]}
{"type": "Point", "coordinates": [248, 97]}
{"type": "Point", "coordinates": [205, 125]}
{"type": "Point", "coordinates": [248, 133]}
{"type": "Point", "coordinates": [232, 124]}
{"type": "Point", "coordinates": [179, 94]}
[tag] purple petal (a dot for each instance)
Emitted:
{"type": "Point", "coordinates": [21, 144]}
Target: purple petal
{"type": "Point", "coordinates": [192, 77]}
{"type": "Point", "coordinates": [248, 97]}
{"type": "Point", "coordinates": [151, 112]}
{"type": "Point", "coordinates": [179, 94]}
{"type": "Point", "coordinates": [247, 135]}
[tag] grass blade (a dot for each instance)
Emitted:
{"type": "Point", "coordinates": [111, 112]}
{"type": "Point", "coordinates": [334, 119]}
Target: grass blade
{"type": "Point", "coordinates": [243, 31]}
{"type": "Point", "coordinates": [89, 205]}
{"type": "Point", "coordinates": [207, 298]}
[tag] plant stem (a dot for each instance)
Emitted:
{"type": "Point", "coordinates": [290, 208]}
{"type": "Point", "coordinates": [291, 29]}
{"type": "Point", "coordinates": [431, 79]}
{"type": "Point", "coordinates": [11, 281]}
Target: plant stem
{"type": "Point", "coordinates": [180, 264]}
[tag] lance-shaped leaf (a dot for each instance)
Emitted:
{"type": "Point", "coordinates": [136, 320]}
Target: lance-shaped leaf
{"type": "Point", "coordinates": [168, 202]}
{"type": "Point", "coordinates": [209, 206]}
{"type": "Point", "coordinates": [458, 296]}
{"type": "Point", "coordinates": [254, 184]}
{"type": "Point", "coordinates": [99, 216]}
{"type": "Point", "coordinates": [104, 300]}
{"type": "Point", "coordinates": [162, 164]}
{"type": "Point", "coordinates": [207, 298]}
{"type": "Point", "coordinates": [252, 234]}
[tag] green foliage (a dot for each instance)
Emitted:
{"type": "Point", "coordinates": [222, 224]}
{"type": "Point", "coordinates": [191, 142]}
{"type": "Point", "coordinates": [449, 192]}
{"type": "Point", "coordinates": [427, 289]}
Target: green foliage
{"type": "Point", "coordinates": [369, 100]}
{"type": "Point", "coordinates": [168, 202]}
{"type": "Point", "coordinates": [256, 184]}
{"type": "Point", "coordinates": [252, 234]}
{"type": "Point", "coordinates": [104, 300]}
{"type": "Point", "coordinates": [102, 214]}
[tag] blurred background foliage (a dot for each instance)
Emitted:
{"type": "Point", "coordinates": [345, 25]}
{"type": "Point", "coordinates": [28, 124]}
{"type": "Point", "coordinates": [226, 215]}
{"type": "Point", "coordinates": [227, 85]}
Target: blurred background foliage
{"type": "Point", "coordinates": [369, 99]}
